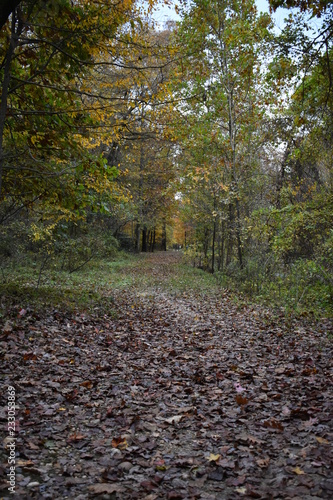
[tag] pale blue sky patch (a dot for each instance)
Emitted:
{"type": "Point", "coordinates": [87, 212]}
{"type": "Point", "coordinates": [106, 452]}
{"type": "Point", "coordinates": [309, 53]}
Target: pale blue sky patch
{"type": "Point", "coordinates": [164, 12]}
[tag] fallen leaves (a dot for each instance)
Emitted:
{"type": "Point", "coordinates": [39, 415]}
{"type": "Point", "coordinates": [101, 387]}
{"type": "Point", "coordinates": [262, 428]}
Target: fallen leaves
{"type": "Point", "coordinates": [238, 387]}
{"type": "Point", "coordinates": [241, 400]}
{"type": "Point", "coordinates": [298, 471]}
{"type": "Point", "coordinates": [273, 424]}
{"type": "Point", "coordinates": [263, 462]}
{"type": "Point", "coordinates": [175, 419]}
{"type": "Point", "coordinates": [75, 437]}
{"type": "Point", "coordinates": [101, 488]}
{"type": "Point", "coordinates": [7, 328]}
{"type": "Point", "coordinates": [120, 443]}
{"type": "Point", "coordinates": [213, 458]}
{"type": "Point", "coordinates": [181, 396]}
{"type": "Point", "coordinates": [322, 440]}
{"type": "Point", "coordinates": [87, 384]}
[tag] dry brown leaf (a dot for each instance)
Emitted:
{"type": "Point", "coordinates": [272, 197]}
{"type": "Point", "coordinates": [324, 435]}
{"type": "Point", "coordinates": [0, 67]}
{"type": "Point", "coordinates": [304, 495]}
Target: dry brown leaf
{"type": "Point", "coordinates": [76, 437]}
{"type": "Point", "coordinates": [24, 463]}
{"type": "Point", "coordinates": [87, 384]}
{"type": "Point", "coordinates": [174, 420]}
{"type": "Point", "coordinates": [119, 443]}
{"type": "Point", "coordinates": [100, 488]}
{"type": "Point", "coordinates": [241, 400]}
{"type": "Point", "coordinates": [241, 490]}
{"type": "Point", "coordinates": [8, 328]}
{"type": "Point", "coordinates": [322, 440]}
{"type": "Point", "coordinates": [263, 462]}
{"type": "Point", "coordinates": [298, 471]}
{"type": "Point", "coordinates": [213, 458]}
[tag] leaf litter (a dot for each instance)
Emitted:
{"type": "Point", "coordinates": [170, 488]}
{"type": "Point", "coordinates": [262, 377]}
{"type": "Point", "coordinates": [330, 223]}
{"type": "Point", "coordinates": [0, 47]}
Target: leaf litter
{"type": "Point", "coordinates": [184, 395]}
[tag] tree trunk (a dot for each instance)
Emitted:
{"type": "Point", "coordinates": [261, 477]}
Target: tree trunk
{"type": "Point", "coordinates": [281, 175]}
{"type": "Point", "coordinates": [137, 237]}
{"type": "Point", "coordinates": [229, 235]}
{"type": "Point", "coordinates": [144, 239]}
{"type": "Point", "coordinates": [221, 248]}
{"type": "Point", "coordinates": [213, 246]}
{"type": "Point", "coordinates": [154, 240]}
{"type": "Point", "coordinates": [15, 33]}
{"type": "Point", "coordinates": [238, 236]}
{"type": "Point", "coordinates": [164, 238]}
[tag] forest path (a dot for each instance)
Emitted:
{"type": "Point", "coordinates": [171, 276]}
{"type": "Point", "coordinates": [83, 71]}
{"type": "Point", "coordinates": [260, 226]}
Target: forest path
{"type": "Point", "coordinates": [184, 395]}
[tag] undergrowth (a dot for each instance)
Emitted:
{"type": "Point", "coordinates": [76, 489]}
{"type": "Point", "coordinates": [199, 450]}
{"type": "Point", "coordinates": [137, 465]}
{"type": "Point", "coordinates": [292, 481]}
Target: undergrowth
{"type": "Point", "coordinates": [295, 291]}
{"type": "Point", "coordinates": [89, 288]}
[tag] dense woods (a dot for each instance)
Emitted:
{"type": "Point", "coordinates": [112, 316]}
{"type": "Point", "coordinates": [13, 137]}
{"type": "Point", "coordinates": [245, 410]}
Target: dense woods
{"type": "Point", "coordinates": [213, 133]}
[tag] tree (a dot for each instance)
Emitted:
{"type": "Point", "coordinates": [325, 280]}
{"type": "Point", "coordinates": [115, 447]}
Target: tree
{"type": "Point", "coordinates": [49, 106]}
{"type": "Point", "coordinates": [221, 80]}
{"type": "Point", "coordinates": [317, 7]}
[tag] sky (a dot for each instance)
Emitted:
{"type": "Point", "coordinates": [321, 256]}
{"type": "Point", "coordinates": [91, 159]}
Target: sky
{"type": "Point", "coordinates": [164, 13]}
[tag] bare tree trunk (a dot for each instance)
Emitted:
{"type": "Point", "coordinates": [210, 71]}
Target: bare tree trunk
{"type": "Point", "coordinates": [137, 237]}
{"type": "Point", "coordinates": [151, 240]}
{"type": "Point", "coordinates": [149, 236]}
{"type": "Point", "coordinates": [144, 240]}
{"type": "Point", "coordinates": [164, 238]}
{"type": "Point", "coordinates": [238, 236]}
{"type": "Point", "coordinates": [154, 240]}
{"type": "Point", "coordinates": [229, 86]}
{"type": "Point", "coordinates": [229, 235]}
{"type": "Point", "coordinates": [205, 246]}
{"type": "Point", "coordinates": [281, 175]}
{"type": "Point", "coordinates": [221, 248]}
{"type": "Point", "coordinates": [213, 246]}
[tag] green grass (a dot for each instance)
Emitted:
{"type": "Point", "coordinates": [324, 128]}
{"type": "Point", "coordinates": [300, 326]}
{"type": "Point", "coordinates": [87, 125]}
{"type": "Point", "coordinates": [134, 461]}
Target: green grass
{"type": "Point", "coordinates": [297, 298]}
{"type": "Point", "coordinates": [187, 279]}
{"type": "Point", "coordinates": [89, 288]}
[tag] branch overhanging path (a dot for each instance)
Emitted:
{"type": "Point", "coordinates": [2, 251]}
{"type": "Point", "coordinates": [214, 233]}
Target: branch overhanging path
{"type": "Point", "coordinates": [184, 395]}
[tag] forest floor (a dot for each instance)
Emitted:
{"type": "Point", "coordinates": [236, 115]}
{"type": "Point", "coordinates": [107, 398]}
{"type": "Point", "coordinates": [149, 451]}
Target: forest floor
{"type": "Point", "coordinates": [182, 394]}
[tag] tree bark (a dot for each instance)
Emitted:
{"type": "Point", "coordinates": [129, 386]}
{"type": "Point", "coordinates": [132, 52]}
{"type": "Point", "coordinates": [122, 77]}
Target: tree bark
{"type": "Point", "coordinates": [229, 235]}
{"type": "Point", "coordinates": [137, 237]}
{"type": "Point", "coordinates": [154, 240]}
{"type": "Point", "coordinates": [238, 236]}
{"type": "Point", "coordinates": [221, 248]}
{"type": "Point", "coordinates": [15, 32]}
{"type": "Point", "coordinates": [213, 246]}
{"type": "Point", "coordinates": [144, 240]}
{"type": "Point", "coordinates": [164, 240]}
{"type": "Point", "coordinates": [281, 176]}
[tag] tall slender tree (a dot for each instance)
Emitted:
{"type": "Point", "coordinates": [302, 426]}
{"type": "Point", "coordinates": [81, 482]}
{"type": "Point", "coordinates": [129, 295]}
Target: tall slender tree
{"type": "Point", "coordinates": [222, 80]}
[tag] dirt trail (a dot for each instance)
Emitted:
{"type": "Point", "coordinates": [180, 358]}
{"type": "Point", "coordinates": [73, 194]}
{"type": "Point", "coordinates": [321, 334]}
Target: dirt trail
{"type": "Point", "coordinates": [184, 395]}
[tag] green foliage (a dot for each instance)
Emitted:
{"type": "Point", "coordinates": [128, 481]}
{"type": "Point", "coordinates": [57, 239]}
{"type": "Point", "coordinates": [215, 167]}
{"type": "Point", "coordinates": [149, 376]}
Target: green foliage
{"type": "Point", "coordinates": [88, 289]}
{"type": "Point", "coordinates": [62, 246]}
{"type": "Point", "coordinates": [302, 288]}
